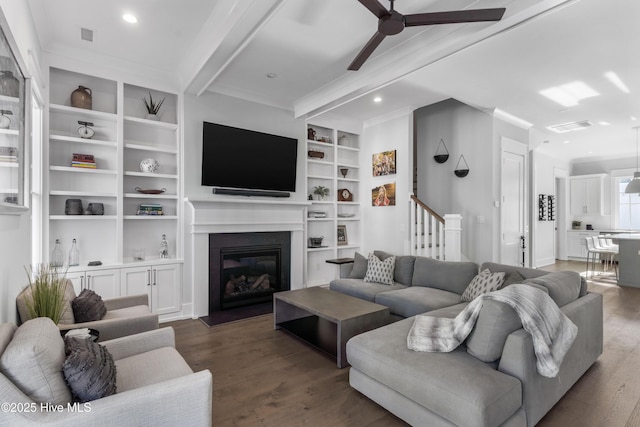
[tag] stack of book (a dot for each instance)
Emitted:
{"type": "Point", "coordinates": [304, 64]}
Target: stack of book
{"type": "Point", "coordinates": [83, 161]}
{"type": "Point", "coordinates": [150, 209]}
{"type": "Point", "coordinates": [8, 154]}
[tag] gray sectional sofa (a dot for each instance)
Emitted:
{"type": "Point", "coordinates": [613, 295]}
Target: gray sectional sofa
{"type": "Point", "coordinates": [490, 380]}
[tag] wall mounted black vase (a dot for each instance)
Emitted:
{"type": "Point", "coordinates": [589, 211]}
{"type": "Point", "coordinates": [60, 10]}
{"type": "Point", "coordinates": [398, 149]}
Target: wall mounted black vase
{"type": "Point", "coordinates": [463, 171]}
{"type": "Point", "coordinates": [442, 154]}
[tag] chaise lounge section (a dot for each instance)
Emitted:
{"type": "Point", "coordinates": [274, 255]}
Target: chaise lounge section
{"type": "Point", "coordinates": [491, 379]}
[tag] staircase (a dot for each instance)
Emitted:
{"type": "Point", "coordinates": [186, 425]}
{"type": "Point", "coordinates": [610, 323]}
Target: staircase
{"type": "Point", "coordinates": [432, 235]}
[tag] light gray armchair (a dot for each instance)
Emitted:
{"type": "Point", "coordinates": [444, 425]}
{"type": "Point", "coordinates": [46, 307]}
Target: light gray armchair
{"type": "Point", "coordinates": [125, 315]}
{"type": "Point", "coordinates": [155, 386]}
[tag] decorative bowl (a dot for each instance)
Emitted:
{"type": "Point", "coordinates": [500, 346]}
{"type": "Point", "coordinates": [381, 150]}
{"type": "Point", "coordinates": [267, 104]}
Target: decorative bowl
{"type": "Point", "coordinates": [149, 165]}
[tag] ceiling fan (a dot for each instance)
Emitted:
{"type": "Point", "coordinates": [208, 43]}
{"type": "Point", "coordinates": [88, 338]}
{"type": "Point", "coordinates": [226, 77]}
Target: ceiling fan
{"type": "Point", "coordinates": [391, 22]}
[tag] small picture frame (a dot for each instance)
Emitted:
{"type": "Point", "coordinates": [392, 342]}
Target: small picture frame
{"type": "Point", "coordinates": [384, 163]}
{"type": "Point", "coordinates": [342, 235]}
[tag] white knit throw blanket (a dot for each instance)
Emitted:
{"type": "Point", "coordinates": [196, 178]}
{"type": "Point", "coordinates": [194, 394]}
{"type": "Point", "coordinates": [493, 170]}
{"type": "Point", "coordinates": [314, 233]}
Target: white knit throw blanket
{"type": "Point", "coordinates": [553, 333]}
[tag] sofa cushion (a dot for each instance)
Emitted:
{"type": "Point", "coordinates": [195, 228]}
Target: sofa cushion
{"type": "Point", "coordinates": [455, 386]}
{"type": "Point", "coordinates": [89, 369]}
{"type": "Point", "coordinates": [563, 286]}
{"type": "Point", "coordinates": [416, 300]}
{"type": "Point", "coordinates": [359, 269]}
{"type": "Point", "coordinates": [88, 307]}
{"type": "Point", "coordinates": [512, 278]}
{"type": "Point", "coordinates": [151, 367]}
{"type": "Point", "coordinates": [494, 324]}
{"type": "Point", "coordinates": [379, 271]}
{"type": "Point", "coordinates": [403, 273]}
{"type": "Point", "coordinates": [446, 275]}
{"type": "Point", "coordinates": [33, 361]}
{"type": "Point", "coordinates": [361, 289]}
{"type": "Point", "coordinates": [483, 282]}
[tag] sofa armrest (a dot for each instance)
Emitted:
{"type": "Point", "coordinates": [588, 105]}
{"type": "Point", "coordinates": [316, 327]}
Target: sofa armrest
{"type": "Point", "coordinates": [186, 400]}
{"type": "Point", "coordinates": [518, 358]}
{"type": "Point", "coordinates": [126, 301]}
{"type": "Point", "coordinates": [118, 327]}
{"type": "Point", "coordinates": [140, 343]}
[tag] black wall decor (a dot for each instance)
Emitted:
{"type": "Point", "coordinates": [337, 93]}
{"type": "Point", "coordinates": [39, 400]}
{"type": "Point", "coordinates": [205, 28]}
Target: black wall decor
{"type": "Point", "coordinates": [442, 154]}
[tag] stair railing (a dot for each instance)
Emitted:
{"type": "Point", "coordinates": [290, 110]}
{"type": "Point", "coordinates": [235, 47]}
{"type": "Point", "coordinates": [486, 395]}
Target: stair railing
{"type": "Point", "coordinates": [432, 235]}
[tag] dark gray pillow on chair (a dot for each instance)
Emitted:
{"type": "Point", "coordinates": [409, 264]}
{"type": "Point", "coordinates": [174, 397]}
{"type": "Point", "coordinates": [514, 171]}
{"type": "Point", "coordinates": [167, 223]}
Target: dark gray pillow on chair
{"type": "Point", "coordinates": [88, 307]}
{"type": "Point", "coordinates": [89, 369]}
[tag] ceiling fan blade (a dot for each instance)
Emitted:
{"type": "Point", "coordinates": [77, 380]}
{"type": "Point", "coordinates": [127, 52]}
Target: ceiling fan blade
{"type": "Point", "coordinates": [456, 17]}
{"type": "Point", "coordinates": [366, 51]}
{"type": "Point", "coordinates": [375, 7]}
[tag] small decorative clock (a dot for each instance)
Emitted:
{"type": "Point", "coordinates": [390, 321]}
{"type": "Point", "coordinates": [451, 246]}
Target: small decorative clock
{"type": "Point", "coordinates": [344, 195]}
{"type": "Point", "coordinates": [85, 131]}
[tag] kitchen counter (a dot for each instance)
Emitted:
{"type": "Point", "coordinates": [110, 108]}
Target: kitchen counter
{"type": "Point", "coordinates": [628, 257]}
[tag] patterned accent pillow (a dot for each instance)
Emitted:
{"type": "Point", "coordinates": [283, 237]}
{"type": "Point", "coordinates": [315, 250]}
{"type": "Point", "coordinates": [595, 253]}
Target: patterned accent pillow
{"type": "Point", "coordinates": [380, 271]}
{"type": "Point", "coordinates": [89, 369]}
{"type": "Point", "coordinates": [483, 283]}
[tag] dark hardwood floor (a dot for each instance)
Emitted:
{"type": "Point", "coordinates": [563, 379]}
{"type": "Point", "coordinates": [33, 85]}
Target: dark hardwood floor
{"type": "Point", "coordinates": [264, 377]}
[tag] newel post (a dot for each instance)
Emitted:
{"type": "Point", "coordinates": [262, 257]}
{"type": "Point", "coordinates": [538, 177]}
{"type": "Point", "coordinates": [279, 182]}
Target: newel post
{"type": "Point", "coordinates": [452, 237]}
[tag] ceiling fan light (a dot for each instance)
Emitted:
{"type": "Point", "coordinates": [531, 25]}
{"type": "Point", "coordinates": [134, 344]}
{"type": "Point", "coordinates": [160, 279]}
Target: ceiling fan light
{"type": "Point", "coordinates": [634, 184]}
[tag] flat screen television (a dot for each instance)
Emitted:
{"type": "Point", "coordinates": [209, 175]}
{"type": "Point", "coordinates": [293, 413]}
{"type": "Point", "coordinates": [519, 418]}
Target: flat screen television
{"type": "Point", "coordinates": [245, 159]}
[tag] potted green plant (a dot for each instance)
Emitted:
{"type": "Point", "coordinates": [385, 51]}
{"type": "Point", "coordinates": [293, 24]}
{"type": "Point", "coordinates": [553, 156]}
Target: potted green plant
{"type": "Point", "coordinates": [153, 107]}
{"type": "Point", "coordinates": [321, 191]}
{"type": "Point", "coordinates": [576, 225]}
{"type": "Point", "coordinates": [47, 292]}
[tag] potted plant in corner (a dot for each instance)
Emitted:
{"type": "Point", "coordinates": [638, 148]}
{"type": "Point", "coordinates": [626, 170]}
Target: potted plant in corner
{"type": "Point", "coordinates": [576, 225]}
{"type": "Point", "coordinates": [153, 108]}
{"type": "Point", "coordinates": [47, 293]}
{"type": "Point", "coordinates": [321, 192]}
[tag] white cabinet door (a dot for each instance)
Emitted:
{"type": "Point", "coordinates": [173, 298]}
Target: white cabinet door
{"type": "Point", "coordinates": [136, 280]}
{"type": "Point", "coordinates": [593, 196]}
{"type": "Point", "coordinates": [105, 283]}
{"type": "Point", "coordinates": [161, 282]}
{"type": "Point", "coordinates": [165, 288]}
{"type": "Point", "coordinates": [577, 197]}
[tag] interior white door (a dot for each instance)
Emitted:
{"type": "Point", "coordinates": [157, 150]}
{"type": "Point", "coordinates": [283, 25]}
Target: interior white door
{"type": "Point", "coordinates": [513, 213]}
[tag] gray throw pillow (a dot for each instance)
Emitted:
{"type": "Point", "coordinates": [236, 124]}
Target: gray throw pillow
{"type": "Point", "coordinates": [403, 272]}
{"type": "Point", "coordinates": [89, 369]}
{"type": "Point", "coordinates": [512, 278]}
{"type": "Point", "coordinates": [359, 269]}
{"type": "Point", "coordinates": [482, 283]}
{"type": "Point", "coordinates": [88, 307]}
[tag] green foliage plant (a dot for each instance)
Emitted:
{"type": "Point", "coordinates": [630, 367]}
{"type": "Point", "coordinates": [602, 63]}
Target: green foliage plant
{"type": "Point", "coordinates": [321, 191]}
{"type": "Point", "coordinates": [47, 292]}
{"type": "Point", "coordinates": [152, 106]}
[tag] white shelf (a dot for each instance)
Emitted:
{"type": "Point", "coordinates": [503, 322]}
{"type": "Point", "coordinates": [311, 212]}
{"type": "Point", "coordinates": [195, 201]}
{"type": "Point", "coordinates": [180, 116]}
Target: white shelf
{"type": "Point", "coordinates": [320, 219]}
{"type": "Point", "coordinates": [151, 175]}
{"type": "Point", "coordinates": [65, 138]}
{"type": "Point", "coordinates": [82, 217]}
{"type": "Point", "coordinates": [13, 132]}
{"type": "Point", "coordinates": [150, 196]}
{"type": "Point", "coordinates": [9, 164]}
{"type": "Point", "coordinates": [83, 112]}
{"type": "Point", "coordinates": [349, 179]}
{"type": "Point", "coordinates": [319, 177]}
{"type": "Point", "coordinates": [151, 123]}
{"type": "Point", "coordinates": [150, 217]}
{"type": "Point", "coordinates": [80, 193]}
{"type": "Point", "coordinates": [83, 170]}
{"type": "Point", "coordinates": [346, 165]}
{"type": "Point", "coordinates": [343, 147]}
{"type": "Point", "coordinates": [9, 100]}
{"type": "Point", "coordinates": [145, 147]}
{"type": "Point", "coordinates": [321, 249]}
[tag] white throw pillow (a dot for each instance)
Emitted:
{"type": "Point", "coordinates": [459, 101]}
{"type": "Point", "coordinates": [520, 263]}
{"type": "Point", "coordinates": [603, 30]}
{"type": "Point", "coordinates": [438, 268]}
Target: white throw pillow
{"type": "Point", "coordinates": [380, 271]}
{"type": "Point", "coordinates": [483, 283]}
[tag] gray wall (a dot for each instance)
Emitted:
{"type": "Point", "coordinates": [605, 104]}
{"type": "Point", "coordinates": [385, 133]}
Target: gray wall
{"type": "Point", "coordinates": [466, 131]}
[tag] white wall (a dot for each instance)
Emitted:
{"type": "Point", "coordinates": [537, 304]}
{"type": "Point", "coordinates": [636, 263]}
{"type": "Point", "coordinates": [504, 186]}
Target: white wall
{"type": "Point", "coordinates": [15, 231]}
{"type": "Point", "coordinates": [387, 227]}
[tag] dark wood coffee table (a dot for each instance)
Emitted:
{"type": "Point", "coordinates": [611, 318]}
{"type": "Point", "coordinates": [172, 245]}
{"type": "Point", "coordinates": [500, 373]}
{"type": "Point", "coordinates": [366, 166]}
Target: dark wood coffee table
{"type": "Point", "coordinates": [326, 319]}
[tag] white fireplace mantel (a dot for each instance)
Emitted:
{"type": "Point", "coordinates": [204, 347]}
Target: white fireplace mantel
{"type": "Point", "coordinates": [235, 215]}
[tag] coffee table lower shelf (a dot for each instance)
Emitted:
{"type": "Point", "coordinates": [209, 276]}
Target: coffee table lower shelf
{"type": "Point", "coordinates": [326, 319]}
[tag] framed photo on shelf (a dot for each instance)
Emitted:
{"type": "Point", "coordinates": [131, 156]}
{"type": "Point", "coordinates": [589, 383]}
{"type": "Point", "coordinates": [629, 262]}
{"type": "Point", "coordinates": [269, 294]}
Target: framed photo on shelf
{"type": "Point", "coordinates": [384, 163]}
{"type": "Point", "coordinates": [342, 235]}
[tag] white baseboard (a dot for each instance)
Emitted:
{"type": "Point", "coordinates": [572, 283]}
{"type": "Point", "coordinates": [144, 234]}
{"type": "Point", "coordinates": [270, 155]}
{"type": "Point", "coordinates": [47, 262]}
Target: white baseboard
{"type": "Point", "coordinates": [545, 261]}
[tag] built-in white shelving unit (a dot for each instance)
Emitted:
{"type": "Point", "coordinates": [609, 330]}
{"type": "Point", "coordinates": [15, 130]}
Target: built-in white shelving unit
{"type": "Point", "coordinates": [123, 137]}
{"type": "Point", "coordinates": [340, 151]}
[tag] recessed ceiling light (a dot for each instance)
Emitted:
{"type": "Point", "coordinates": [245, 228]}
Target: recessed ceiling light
{"type": "Point", "coordinates": [633, 118]}
{"type": "Point", "coordinates": [603, 123]}
{"type": "Point", "coordinates": [377, 99]}
{"type": "Point", "coordinates": [130, 18]}
{"type": "Point", "coordinates": [271, 75]}
{"type": "Point", "coordinates": [566, 142]}
{"type": "Point", "coordinates": [569, 95]}
{"type": "Point", "coordinates": [617, 81]}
